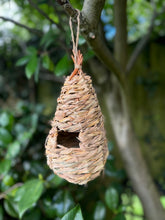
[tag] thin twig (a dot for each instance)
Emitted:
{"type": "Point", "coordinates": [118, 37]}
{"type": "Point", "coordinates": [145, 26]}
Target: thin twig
{"type": "Point", "coordinates": [2, 195]}
{"type": "Point", "coordinates": [43, 13]}
{"type": "Point", "coordinates": [33, 30]}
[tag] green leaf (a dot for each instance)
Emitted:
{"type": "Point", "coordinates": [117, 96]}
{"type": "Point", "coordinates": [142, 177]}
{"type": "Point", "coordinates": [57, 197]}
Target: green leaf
{"type": "Point", "coordinates": [5, 166]}
{"type": "Point", "coordinates": [47, 63]}
{"type": "Point", "coordinates": [100, 211]}
{"type": "Point", "coordinates": [63, 66]}
{"type": "Point", "coordinates": [11, 208]}
{"type": "Point", "coordinates": [119, 216]}
{"type": "Point", "coordinates": [5, 137]}
{"type": "Point", "coordinates": [112, 198]}
{"type": "Point", "coordinates": [74, 214]}
{"type": "Point", "coordinates": [13, 150]}
{"type": "Point", "coordinates": [28, 194]}
{"type": "Point", "coordinates": [31, 66]}
{"type": "Point", "coordinates": [22, 61]}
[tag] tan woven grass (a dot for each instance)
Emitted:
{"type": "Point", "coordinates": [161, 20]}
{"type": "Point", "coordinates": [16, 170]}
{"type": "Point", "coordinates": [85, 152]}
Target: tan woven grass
{"type": "Point", "coordinates": [76, 147]}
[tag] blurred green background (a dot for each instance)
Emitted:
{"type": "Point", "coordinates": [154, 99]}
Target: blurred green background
{"type": "Point", "coordinates": [34, 58]}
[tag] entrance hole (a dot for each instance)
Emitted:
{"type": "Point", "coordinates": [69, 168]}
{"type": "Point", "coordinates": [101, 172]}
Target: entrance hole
{"type": "Point", "coordinates": [68, 139]}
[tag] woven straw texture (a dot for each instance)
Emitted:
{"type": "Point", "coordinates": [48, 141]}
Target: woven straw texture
{"type": "Point", "coordinates": [76, 147]}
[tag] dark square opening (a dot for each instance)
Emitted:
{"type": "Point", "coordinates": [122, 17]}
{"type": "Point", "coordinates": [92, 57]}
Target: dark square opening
{"type": "Point", "coordinates": [68, 139]}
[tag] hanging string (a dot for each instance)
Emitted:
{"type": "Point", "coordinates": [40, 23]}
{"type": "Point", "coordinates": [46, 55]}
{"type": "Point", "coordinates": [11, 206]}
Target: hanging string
{"type": "Point", "coordinates": [77, 57]}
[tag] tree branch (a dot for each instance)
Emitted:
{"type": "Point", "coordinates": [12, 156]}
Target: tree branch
{"type": "Point", "coordinates": [68, 8]}
{"type": "Point", "coordinates": [33, 30]}
{"type": "Point", "coordinates": [92, 10]}
{"type": "Point", "coordinates": [120, 41]}
{"type": "Point", "coordinates": [103, 53]}
{"type": "Point", "coordinates": [92, 36]}
{"type": "Point", "coordinates": [142, 43]}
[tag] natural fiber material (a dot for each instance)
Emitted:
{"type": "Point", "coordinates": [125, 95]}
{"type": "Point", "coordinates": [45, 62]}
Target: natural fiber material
{"type": "Point", "coordinates": [76, 147]}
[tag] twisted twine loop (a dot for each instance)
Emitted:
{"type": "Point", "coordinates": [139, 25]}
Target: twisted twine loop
{"type": "Point", "coordinates": [77, 56]}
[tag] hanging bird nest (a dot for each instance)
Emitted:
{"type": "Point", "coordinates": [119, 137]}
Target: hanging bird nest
{"type": "Point", "coordinates": [76, 147]}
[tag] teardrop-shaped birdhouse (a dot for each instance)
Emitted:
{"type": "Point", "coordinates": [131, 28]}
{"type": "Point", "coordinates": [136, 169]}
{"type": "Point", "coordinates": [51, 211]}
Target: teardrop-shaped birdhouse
{"type": "Point", "coordinates": [76, 147]}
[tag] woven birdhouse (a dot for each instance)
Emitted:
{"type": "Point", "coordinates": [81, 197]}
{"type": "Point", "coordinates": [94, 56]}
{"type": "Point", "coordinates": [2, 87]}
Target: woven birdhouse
{"type": "Point", "coordinates": [76, 147]}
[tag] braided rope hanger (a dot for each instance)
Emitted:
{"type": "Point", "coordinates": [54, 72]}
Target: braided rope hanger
{"type": "Point", "coordinates": [77, 57]}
